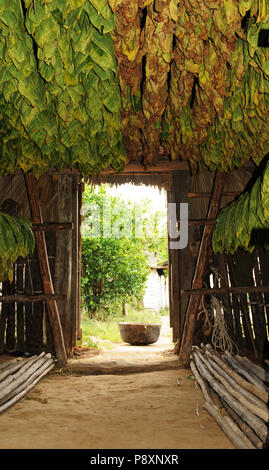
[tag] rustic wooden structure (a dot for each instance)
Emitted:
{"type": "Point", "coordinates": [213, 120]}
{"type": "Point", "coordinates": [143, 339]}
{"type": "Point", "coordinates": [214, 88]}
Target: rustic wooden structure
{"type": "Point", "coordinates": [40, 309]}
{"type": "Point", "coordinates": [236, 395]}
{"type": "Point", "coordinates": [239, 281]}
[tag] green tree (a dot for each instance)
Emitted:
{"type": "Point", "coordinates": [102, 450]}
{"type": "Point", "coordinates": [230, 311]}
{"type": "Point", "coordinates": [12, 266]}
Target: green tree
{"type": "Point", "coordinates": [117, 237]}
{"type": "Point", "coordinates": [114, 271]}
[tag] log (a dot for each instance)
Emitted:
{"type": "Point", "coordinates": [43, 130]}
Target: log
{"type": "Point", "coordinates": [20, 387]}
{"type": "Point", "coordinates": [260, 428]}
{"type": "Point", "coordinates": [200, 269]}
{"type": "Point", "coordinates": [256, 407]}
{"type": "Point", "coordinates": [48, 287]}
{"type": "Point", "coordinates": [20, 395]}
{"type": "Point", "coordinates": [260, 372]}
{"type": "Point", "coordinates": [18, 380]}
{"type": "Point", "coordinates": [9, 363]}
{"type": "Point", "coordinates": [243, 426]}
{"type": "Point", "coordinates": [248, 375]}
{"type": "Point", "coordinates": [261, 394]}
{"type": "Point", "coordinates": [17, 373]}
{"type": "Point", "coordinates": [232, 432]}
{"type": "Point", "coordinates": [12, 369]}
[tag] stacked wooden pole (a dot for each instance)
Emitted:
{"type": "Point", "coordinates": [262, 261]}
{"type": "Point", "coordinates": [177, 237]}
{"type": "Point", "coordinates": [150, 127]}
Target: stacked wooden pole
{"type": "Point", "coordinates": [236, 393]}
{"type": "Point", "coordinates": [19, 376]}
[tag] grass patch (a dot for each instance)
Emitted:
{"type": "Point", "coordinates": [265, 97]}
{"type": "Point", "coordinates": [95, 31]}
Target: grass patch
{"type": "Point", "coordinates": [96, 330]}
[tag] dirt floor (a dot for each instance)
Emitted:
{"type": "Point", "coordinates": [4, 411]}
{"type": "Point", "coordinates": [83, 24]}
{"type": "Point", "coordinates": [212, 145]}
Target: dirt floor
{"type": "Point", "coordinates": [128, 397]}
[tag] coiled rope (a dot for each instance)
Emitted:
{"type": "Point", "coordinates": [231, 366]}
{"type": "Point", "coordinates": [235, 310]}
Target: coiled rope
{"type": "Point", "coordinates": [220, 339]}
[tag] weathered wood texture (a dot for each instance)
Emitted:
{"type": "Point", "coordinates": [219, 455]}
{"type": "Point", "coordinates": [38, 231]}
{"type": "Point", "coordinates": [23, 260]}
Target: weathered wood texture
{"type": "Point", "coordinates": [30, 328]}
{"type": "Point", "coordinates": [44, 267]}
{"type": "Point", "coordinates": [233, 382]}
{"type": "Point", "coordinates": [200, 270]}
{"type": "Point", "coordinates": [240, 281]}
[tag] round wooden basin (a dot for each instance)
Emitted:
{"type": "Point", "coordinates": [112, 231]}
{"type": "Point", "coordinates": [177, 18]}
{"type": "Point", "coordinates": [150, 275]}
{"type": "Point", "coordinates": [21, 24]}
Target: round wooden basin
{"type": "Point", "coordinates": [139, 333]}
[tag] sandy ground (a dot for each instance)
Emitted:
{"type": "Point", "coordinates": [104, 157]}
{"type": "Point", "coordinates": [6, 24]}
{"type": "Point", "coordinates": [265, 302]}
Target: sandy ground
{"type": "Point", "coordinates": [81, 408]}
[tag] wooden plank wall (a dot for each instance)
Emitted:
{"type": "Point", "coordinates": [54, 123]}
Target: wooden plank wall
{"type": "Point", "coordinates": [25, 328]}
{"type": "Point", "coordinates": [246, 315]}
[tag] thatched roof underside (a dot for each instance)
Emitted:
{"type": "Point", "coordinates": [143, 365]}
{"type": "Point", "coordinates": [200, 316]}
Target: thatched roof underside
{"type": "Point", "coordinates": [96, 83]}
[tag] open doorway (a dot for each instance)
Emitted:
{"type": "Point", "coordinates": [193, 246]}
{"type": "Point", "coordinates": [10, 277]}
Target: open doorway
{"type": "Point", "coordinates": [125, 276]}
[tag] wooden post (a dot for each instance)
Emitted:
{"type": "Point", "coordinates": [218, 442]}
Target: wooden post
{"type": "Point", "coordinates": [75, 261]}
{"type": "Point", "coordinates": [200, 269]}
{"type": "Point", "coordinates": [80, 201]}
{"type": "Point", "coordinates": [63, 258]}
{"type": "Point", "coordinates": [20, 308]}
{"type": "Point", "coordinates": [42, 254]}
{"type": "Point", "coordinates": [173, 279]}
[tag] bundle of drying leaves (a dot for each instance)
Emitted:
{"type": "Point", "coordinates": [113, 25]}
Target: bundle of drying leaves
{"type": "Point", "coordinates": [239, 224]}
{"type": "Point", "coordinates": [59, 94]}
{"type": "Point", "coordinates": [16, 239]}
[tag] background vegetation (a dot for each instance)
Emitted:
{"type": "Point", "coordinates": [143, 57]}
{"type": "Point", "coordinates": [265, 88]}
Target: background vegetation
{"type": "Point", "coordinates": [118, 238]}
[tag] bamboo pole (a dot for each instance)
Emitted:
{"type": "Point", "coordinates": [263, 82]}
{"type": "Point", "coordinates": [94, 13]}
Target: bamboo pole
{"type": "Point", "coordinates": [48, 287]}
{"type": "Point", "coordinates": [200, 269]}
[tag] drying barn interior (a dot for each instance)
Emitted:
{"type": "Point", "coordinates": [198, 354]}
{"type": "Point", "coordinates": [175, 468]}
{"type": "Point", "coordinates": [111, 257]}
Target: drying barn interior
{"type": "Point", "coordinates": [172, 94]}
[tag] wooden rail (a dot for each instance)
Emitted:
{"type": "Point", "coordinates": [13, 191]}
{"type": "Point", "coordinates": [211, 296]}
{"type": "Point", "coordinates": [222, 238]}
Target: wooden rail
{"type": "Point", "coordinates": [224, 290]}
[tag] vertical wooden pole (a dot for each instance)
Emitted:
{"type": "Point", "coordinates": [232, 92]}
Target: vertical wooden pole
{"type": "Point", "coordinates": [63, 259]}
{"type": "Point", "coordinates": [80, 201]}
{"type": "Point", "coordinates": [4, 315]}
{"type": "Point", "coordinates": [75, 261]}
{"type": "Point", "coordinates": [42, 254]}
{"type": "Point", "coordinates": [186, 262]}
{"type": "Point", "coordinates": [173, 278]}
{"type": "Point", "coordinates": [200, 269]}
{"type": "Point", "coordinates": [20, 309]}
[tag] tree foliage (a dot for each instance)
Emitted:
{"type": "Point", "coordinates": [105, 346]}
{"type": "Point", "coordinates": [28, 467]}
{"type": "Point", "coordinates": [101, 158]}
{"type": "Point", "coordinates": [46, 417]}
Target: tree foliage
{"type": "Point", "coordinates": [117, 238]}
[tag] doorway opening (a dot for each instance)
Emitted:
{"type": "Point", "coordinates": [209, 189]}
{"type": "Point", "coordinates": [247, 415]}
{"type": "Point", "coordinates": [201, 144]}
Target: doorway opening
{"type": "Point", "coordinates": [125, 276]}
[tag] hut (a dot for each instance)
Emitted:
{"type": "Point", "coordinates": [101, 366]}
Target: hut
{"type": "Point", "coordinates": [174, 94]}
{"type": "Point", "coordinates": [156, 293]}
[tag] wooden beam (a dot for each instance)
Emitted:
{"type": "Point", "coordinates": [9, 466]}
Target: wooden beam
{"type": "Point", "coordinates": [200, 269]}
{"type": "Point", "coordinates": [192, 222]}
{"type": "Point", "coordinates": [63, 258]}
{"type": "Point", "coordinates": [208, 195]}
{"type": "Point", "coordinates": [23, 298]}
{"type": "Point", "coordinates": [52, 226]}
{"type": "Point", "coordinates": [165, 166]}
{"type": "Point", "coordinates": [48, 287]}
{"type": "Point", "coordinates": [224, 290]}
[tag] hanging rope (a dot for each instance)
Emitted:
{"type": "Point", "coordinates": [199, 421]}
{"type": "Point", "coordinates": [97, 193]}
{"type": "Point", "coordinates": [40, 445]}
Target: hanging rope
{"type": "Point", "coordinates": [221, 340]}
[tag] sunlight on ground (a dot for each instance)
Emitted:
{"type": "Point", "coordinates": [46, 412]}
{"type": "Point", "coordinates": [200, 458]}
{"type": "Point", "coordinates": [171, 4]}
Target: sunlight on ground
{"type": "Point", "coordinates": [99, 334]}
